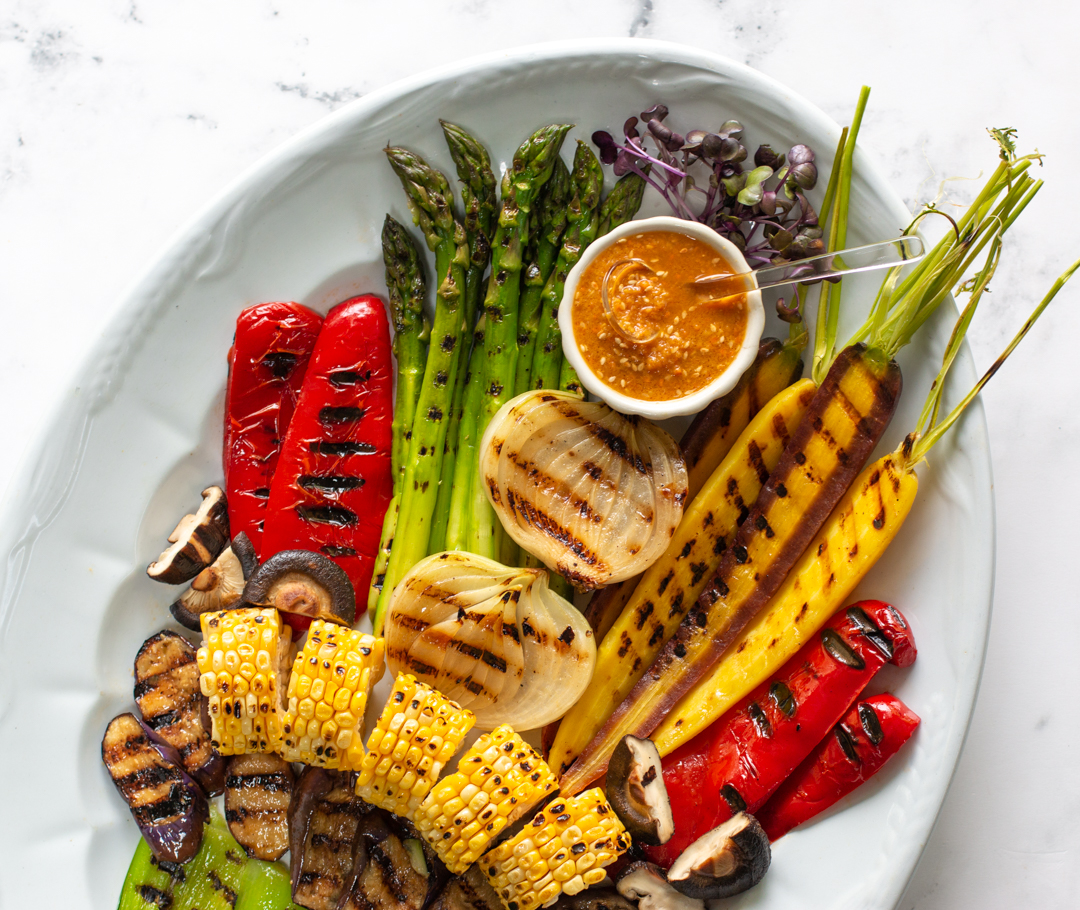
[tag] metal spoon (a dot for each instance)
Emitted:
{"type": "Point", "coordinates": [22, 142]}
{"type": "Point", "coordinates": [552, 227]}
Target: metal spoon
{"type": "Point", "coordinates": [901, 251]}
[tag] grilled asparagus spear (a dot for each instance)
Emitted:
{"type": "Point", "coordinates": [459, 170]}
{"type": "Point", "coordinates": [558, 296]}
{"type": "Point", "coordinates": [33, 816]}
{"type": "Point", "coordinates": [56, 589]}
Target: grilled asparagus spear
{"type": "Point", "coordinates": [430, 201]}
{"type": "Point", "coordinates": [406, 289]}
{"type": "Point", "coordinates": [532, 167]}
{"type": "Point", "coordinates": [478, 199]}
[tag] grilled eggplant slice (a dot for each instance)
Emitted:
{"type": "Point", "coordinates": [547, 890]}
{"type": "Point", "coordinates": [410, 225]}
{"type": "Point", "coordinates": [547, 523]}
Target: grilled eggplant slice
{"type": "Point", "coordinates": [167, 805]}
{"type": "Point", "coordinates": [594, 899]}
{"type": "Point", "coordinates": [324, 818]}
{"type": "Point", "coordinates": [258, 790]}
{"type": "Point", "coordinates": [196, 541]}
{"type": "Point", "coordinates": [392, 871]}
{"type": "Point", "coordinates": [469, 891]}
{"type": "Point", "coordinates": [167, 693]}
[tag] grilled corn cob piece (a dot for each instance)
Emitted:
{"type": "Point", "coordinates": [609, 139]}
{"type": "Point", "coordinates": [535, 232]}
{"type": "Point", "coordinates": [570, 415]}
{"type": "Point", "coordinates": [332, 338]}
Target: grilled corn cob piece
{"type": "Point", "coordinates": [497, 781]}
{"type": "Point", "coordinates": [243, 663]}
{"type": "Point", "coordinates": [328, 691]}
{"type": "Point", "coordinates": [418, 732]}
{"type": "Point", "coordinates": [563, 850]}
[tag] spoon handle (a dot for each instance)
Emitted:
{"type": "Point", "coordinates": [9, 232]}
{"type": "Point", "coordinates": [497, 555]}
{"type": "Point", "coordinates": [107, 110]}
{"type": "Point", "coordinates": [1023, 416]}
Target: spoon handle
{"type": "Point", "coordinates": [901, 251]}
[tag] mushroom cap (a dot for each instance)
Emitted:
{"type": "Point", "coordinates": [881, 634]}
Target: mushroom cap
{"type": "Point", "coordinates": [728, 860]}
{"type": "Point", "coordinates": [304, 583]}
{"type": "Point", "coordinates": [635, 788]}
{"type": "Point", "coordinates": [245, 552]}
{"type": "Point", "coordinates": [196, 541]}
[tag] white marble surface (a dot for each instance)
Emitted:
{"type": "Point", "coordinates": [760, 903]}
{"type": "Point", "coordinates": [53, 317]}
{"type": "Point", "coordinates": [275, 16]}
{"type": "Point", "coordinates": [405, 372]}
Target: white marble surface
{"type": "Point", "coordinates": [120, 119]}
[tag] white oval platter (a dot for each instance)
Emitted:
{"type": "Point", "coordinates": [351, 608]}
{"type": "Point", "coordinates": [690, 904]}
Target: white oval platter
{"type": "Point", "coordinates": [138, 436]}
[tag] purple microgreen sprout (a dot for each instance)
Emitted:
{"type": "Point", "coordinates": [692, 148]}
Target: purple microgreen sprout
{"type": "Point", "coordinates": [762, 209]}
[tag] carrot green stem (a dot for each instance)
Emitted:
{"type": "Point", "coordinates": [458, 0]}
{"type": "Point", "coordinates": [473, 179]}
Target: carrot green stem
{"type": "Point", "coordinates": [918, 444]}
{"type": "Point", "coordinates": [828, 312]}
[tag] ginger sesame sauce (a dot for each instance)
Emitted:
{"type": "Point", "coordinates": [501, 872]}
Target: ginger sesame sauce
{"type": "Point", "coordinates": [698, 337]}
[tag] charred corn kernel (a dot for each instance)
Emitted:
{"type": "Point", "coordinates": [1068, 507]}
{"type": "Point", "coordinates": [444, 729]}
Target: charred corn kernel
{"type": "Point", "coordinates": [563, 850]}
{"type": "Point", "coordinates": [328, 690]}
{"type": "Point", "coordinates": [243, 700]}
{"type": "Point", "coordinates": [418, 732]}
{"type": "Point", "coordinates": [497, 781]}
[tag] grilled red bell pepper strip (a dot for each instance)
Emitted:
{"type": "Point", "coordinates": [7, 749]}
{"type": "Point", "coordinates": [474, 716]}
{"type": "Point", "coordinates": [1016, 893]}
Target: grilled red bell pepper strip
{"type": "Point", "coordinates": [870, 734]}
{"type": "Point", "coordinates": [741, 759]}
{"type": "Point", "coordinates": [267, 362]}
{"type": "Point", "coordinates": [332, 483]}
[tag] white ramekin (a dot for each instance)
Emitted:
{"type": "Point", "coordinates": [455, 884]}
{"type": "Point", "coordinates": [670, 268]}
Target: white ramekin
{"type": "Point", "coordinates": [688, 404]}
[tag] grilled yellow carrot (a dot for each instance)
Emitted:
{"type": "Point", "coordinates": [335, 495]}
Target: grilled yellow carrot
{"type": "Point", "coordinates": [839, 430]}
{"type": "Point", "coordinates": [673, 583]}
{"type": "Point", "coordinates": [856, 534]}
{"type": "Point", "coordinates": [705, 444]}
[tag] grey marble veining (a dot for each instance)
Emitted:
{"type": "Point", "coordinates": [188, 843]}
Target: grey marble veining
{"type": "Point", "coordinates": [120, 119]}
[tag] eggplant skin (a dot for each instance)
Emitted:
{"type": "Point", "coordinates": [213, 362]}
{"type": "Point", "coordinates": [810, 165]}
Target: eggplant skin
{"type": "Point", "coordinates": [324, 818]}
{"type": "Point", "coordinates": [167, 693]}
{"type": "Point", "coordinates": [167, 805]}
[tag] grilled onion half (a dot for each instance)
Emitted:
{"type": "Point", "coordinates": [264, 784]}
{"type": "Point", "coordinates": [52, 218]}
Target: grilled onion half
{"type": "Point", "coordinates": [496, 640]}
{"type": "Point", "coordinates": [593, 494]}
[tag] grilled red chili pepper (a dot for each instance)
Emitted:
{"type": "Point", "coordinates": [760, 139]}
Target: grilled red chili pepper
{"type": "Point", "coordinates": [741, 759]}
{"type": "Point", "coordinates": [332, 483]}
{"type": "Point", "coordinates": [870, 734]}
{"type": "Point", "coordinates": [267, 362]}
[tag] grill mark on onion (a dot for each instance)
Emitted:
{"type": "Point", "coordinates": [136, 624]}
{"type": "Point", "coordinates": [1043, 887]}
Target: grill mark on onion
{"type": "Point", "coordinates": [549, 526]}
{"type": "Point", "coordinates": [540, 477]}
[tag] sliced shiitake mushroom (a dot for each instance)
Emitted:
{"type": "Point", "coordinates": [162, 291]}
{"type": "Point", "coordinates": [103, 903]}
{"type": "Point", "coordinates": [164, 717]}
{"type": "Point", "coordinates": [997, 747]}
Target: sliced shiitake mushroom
{"type": "Point", "coordinates": [635, 788]}
{"type": "Point", "coordinates": [195, 542]}
{"type": "Point", "coordinates": [305, 583]}
{"type": "Point", "coordinates": [646, 884]}
{"type": "Point", "coordinates": [729, 859]}
{"type": "Point", "coordinates": [217, 587]}
{"type": "Point", "coordinates": [245, 552]}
